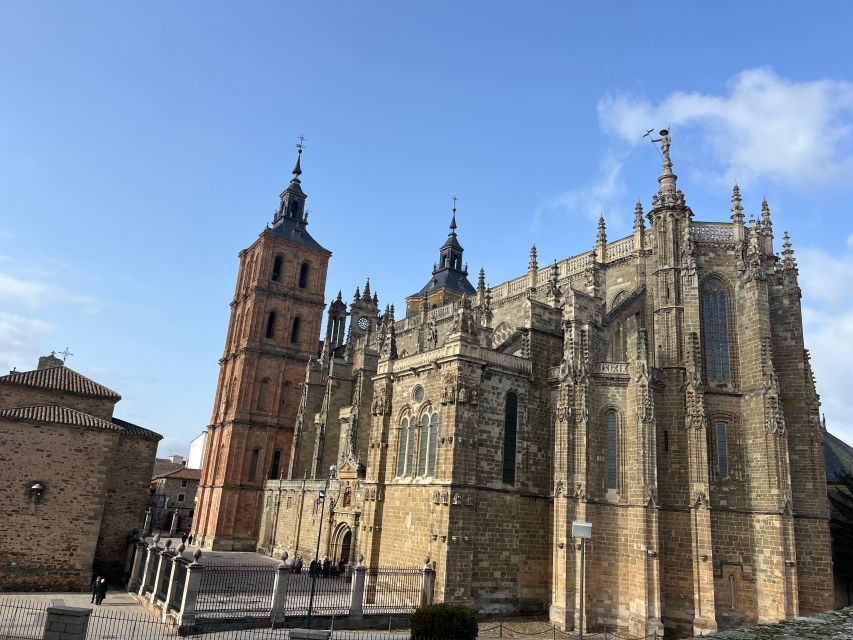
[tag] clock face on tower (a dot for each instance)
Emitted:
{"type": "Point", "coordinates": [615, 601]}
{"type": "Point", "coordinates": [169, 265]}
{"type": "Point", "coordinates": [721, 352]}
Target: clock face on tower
{"type": "Point", "coordinates": [362, 323]}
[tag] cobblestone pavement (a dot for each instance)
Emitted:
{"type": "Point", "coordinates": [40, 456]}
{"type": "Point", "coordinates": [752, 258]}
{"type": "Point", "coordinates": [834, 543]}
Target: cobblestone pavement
{"type": "Point", "coordinates": [833, 625]}
{"type": "Point", "coordinates": [218, 557]}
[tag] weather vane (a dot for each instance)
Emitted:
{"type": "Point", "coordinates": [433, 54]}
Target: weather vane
{"type": "Point", "coordinates": [65, 354]}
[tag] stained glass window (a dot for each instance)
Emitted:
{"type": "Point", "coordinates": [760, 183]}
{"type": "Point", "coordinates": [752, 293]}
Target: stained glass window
{"type": "Point", "coordinates": [716, 330]}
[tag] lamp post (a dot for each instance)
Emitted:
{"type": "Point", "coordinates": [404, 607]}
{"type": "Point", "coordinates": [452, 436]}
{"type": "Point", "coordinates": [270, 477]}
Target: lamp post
{"type": "Point", "coordinates": [322, 500]}
{"type": "Point", "coordinates": [583, 532]}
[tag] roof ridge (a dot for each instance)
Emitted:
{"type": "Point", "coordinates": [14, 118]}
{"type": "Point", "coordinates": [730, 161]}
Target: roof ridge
{"type": "Point", "coordinates": [61, 378]}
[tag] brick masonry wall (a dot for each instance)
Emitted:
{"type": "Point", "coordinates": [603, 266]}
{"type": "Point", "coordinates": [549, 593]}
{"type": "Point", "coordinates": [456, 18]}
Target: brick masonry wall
{"type": "Point", "coordinates": [20, 396]}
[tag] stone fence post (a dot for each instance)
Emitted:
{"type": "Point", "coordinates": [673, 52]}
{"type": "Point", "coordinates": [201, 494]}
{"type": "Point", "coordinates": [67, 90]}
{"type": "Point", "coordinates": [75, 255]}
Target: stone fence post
{"type": "Point", "coordinates": [163, 558]}
{"type": "Point", "coordinates": [279, 592]}
{"type": "Point", "coordinates": [176, 559]}
{"type": "Point", "coordinates": [66, 623]}
{"type": "Point", "coordinates": [356, 599]}
{"type": "Point", "coordinates": [186, 614]}
{"type": "Point", "coordinates": [427, 584]}
{"type": "Point", "coordinates": [151, 554]}
{"type": "Point", "coordinates": [138, 566]}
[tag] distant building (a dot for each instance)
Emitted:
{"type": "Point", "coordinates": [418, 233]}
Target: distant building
{"type": "Point", "coordinates": [73, 482]}
{"type": "Point", "coordinates": [197, 451]}
{"type": "Point", "coordinates": [174, 493]}
{"type": "Point", "coordinates": [165, 465]}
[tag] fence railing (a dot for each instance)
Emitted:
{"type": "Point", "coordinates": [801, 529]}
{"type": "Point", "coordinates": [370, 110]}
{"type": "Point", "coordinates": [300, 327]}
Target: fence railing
{"type": "Point", "coordinates": [193, 593]}
{"type": "Point", "coordinates": [24, 620]}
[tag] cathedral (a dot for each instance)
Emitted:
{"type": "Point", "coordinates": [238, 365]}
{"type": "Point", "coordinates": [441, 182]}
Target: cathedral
{"type": "Point", "coordinates": [656, 386]}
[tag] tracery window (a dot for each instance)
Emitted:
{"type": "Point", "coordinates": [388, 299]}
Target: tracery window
{"type": "Point", "coordinates": [715, 310]}
{"type": "Point", "coordinates": [619, 344]}
{"type": "Point", "coordinates": [510, 437]}
{"type": "Point", "coordinates": [404, 441]}
{"type": "Point", "coordinates": [428, 443]}
{"type": "Point", "coordinates": [722, 449]}
{"type": "Point", "coordinates": [433, 444]}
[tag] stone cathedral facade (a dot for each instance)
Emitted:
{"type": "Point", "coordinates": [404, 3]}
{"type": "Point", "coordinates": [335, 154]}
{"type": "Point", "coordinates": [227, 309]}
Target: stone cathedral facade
{"type": "Point", "coordinates": [656, 386]}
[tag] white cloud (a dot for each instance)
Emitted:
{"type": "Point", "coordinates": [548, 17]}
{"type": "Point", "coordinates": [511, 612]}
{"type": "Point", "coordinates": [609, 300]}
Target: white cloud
{"type": "Point", "coordinates": [21, 341]}
{"type": "Point", "coordinates": [828, 326]}
{"type": "Point", "coordinates": [34, 294]}
{"type": "Point", "coordinates": [603, 196]}
{"type": "Point", "coordinates": [762, 127]}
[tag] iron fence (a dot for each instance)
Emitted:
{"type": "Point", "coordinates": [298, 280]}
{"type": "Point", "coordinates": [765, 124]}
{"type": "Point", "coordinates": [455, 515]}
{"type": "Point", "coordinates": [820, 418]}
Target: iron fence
{"type": "Point", "coordinates": [331, 594]}
{"type": "Point", "coordinates": [392, 589]}
{"type": "Point", "coordinates": [22, 620]}
{"type": "Point", "coordinates": [226, 591]}
{"type": "Point", "coordinates": [148, 587]}
{"type": "Point", "coordinates": [163, 582]}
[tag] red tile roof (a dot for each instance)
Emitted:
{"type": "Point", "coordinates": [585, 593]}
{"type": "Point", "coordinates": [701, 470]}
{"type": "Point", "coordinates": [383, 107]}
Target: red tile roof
{"type": "Point", "coordinates": [57, 414]}
{"type": "Point", "coordinates": [182, 474]}
{"type": "Point", "coordinates": [60, 379]}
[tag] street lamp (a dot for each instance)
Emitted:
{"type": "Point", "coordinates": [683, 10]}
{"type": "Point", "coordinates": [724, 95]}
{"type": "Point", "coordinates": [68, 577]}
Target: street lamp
{"type": "Point", "coordinates": [322, 500]}
{"type": "Point", "coordinates": [583, 532]}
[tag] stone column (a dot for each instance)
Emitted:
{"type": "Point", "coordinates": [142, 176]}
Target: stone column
{"type": "Point", "coordinates": [150, 559]}
{"type": "Point", "coordinates": [66, 623]}
{"type": "Point", "coordinates": [146, 528]}
{"type": "Point", "coordinates": [186, 615]}
{"type": "Point", "coordinates": [131, 548]}
{"type": "Point", "coordinates": [138, 569]}
{"type": "Point", "coordinates": [280, 591]}
{"type": "Point", "coordinates": [162, 558]}
{"type": "Point", "coordinates": [356, 598]}
{"type": "Point", "coordinates": [175, 559]}
{"type": "Point", "coordinates": [173, 528]}
{"type": "Point", "coordinates": [427, 584]}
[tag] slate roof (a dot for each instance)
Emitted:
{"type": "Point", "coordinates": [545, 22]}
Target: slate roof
{"type": "Point", "coordinates": [136, 430]}
{"type": "Point", "coordinates": [295, 231]}
{"type": "Point", "coordinates": [448, 279]}
{"type": "Point", "coordinates": [838, 457]}
{"type": "Point", "coordinates": [60, 379]}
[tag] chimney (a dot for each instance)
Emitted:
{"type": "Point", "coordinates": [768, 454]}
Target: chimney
{"type": "Point", "coordinates": [49, 362]}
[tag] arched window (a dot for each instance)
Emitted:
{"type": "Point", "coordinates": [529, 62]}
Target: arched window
{"type": "Point", "coordinates": [271, 325]}
{"type": "Point", "coordinates": [410, 448]}
{"type": "Point", "coordinates": [510, 437]}
{"type": "Point", "coordinates": [276, 269]}
{"type": "Point", "coordinates": [619, 344]}
{"type": "Point", "coordinates": [715, 327]}
{"type": "Point", "coordinates": [612, 466]}
{"type": "Point", "coordinates": [263, 393]}
{"type": "Point", "coordinates": [294, 330]}
{"type": "Point", "coordinates": [303, 275]}
{"type": "Point", "coordinates": [401, 454]}
{"type": "Point", "coordinates": [294, 207]}
{"type": "Point", "coordinates": [433, 443]}
{"type": "Point", "coordinates": [276, 464]}
{"type": "Point", "coordinates": [424, 442]}
{"type": "Point", "coordinates": [253, 465]}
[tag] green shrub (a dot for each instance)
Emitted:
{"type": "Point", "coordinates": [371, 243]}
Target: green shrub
{"type": "Point", "coordinates": [444, 622]}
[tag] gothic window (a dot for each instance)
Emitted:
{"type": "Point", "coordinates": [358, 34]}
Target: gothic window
{"type": "Point", "coordinates": [510, 437]}
{"type": "Point", "coordinates": [271, 324]}
{"type": "Point", "coordinates": [716, 332]}
{"type": "Point", "coordinates": [263, 392]}
{"type": "Point", "coordinates": [303, 275]}
{"type": "Point", "coordinates": [612, 466]}
{"type": "Point", "coordinates": [276, 269]}
{"type": "Point", "coordinates": [404, 440]}
{"type": "Point", "coordinates": [619, 344]}
{"type": "Point", "coordinates": [722, 449]}
{"type": "Point", "coordinates": [410, 448]}
{"type": "Point", "coordinates": [253, 465]}
{"type": "Point", "coordinates": [422, 449]}
{"type": "Point", "coordinates": [294, 330]}
{"type": "Point", "coordinates": [433, 444]}
{"type": "Point", "coordinates": [276, 463]}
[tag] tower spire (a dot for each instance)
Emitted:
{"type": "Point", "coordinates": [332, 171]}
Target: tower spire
{"type": "Point", "coordinates": [453, 218]}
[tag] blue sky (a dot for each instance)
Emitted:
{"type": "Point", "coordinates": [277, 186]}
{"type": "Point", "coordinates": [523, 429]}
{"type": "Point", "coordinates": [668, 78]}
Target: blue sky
{"type": "Point", "coordinates": [143, 145]}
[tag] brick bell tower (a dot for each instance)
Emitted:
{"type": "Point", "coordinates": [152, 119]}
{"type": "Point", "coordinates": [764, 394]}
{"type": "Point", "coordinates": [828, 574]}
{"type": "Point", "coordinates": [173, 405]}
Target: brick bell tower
{"type": "Point", "coordinates": [274, 330]}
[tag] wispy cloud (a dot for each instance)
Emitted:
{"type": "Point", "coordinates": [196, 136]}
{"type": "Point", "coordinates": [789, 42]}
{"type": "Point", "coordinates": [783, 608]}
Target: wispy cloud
{"type": "Point", "coordinates": [33, 294]}
{"type": "Point", "coordinates": [20, 339]}
{"type": "Point", "coordinates": [763, 126]}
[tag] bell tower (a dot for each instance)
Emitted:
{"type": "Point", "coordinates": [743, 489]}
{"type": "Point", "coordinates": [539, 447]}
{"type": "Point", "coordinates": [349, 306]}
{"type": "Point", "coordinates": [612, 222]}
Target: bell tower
{"type": "Point", "coordinates": [274, 330]}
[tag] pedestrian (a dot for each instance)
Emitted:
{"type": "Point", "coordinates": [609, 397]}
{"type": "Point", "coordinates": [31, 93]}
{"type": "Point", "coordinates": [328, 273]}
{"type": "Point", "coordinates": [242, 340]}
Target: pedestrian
{"type": "Point", "coordinates": [102, 592]}
{"type": "Point", "coordinates": [326, 567]}
{"type": "Point", "coordinates": [190, 538]}
{"type": "Point", "coordinates": [94, 587]}
{"type": "Point", "coordinates": [312, 568]}
{"type": "Point", "coordinates": [184, 538]}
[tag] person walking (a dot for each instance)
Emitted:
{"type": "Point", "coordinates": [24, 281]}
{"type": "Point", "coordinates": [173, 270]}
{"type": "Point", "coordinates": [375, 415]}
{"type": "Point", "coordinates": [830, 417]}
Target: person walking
{"type": "Point", "coordinates": [94, 587]}
{"type": "Point", "coordinates": [190, 538]}
{"type": "Point", "coordinates": [102, 592]}
{"type": "Point", "coordinates": [184, 538]}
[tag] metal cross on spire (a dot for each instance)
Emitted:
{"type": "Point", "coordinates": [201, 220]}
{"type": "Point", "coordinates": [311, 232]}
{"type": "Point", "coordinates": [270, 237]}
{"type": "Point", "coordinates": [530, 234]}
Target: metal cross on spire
{"type": "Point", "coordinates": [65, 354]}
{"type": "Point", "coordinates": [301, 143]}
{"type": "Point", "coordinates": [455, 199]}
